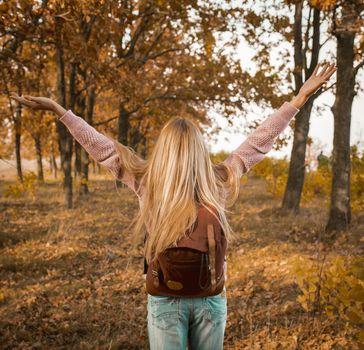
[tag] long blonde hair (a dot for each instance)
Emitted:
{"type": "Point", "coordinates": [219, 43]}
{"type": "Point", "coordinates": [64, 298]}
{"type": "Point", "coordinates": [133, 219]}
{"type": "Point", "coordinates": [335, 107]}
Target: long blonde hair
{"type": "Point", "coordinates": [178, 176]}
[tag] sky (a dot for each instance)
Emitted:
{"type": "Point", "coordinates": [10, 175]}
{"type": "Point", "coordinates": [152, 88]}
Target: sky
{"type": "Point", "coordinates": [321, 126]}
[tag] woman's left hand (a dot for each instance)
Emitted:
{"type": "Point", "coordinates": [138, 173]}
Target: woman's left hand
{"type": "Point", "coordinates": [316, 80]}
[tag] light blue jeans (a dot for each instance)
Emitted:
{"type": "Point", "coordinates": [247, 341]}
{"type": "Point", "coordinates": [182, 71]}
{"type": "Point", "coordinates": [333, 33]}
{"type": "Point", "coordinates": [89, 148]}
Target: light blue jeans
{"type": "Point", "coordinates": [175, 323]}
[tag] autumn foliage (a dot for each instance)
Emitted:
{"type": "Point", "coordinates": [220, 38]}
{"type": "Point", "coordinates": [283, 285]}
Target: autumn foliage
{"type": "Point", "coordinates": [69, 279]}
{"type": "Point", "coordinates": [317, 184]}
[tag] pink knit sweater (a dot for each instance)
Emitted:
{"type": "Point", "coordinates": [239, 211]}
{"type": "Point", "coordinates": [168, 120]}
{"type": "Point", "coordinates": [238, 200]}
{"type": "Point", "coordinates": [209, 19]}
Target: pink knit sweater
{"type": "Point", "coordinates": [243, 158]}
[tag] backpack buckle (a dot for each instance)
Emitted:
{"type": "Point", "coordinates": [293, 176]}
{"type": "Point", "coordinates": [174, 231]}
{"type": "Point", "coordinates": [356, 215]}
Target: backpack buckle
{"type": "Point", "coordinates": [174, 285]}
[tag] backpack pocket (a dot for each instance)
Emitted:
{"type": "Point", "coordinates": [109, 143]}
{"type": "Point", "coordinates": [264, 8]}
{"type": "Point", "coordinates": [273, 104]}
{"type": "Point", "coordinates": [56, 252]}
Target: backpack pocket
{"type": "Point", "coordinates": [185, 269]}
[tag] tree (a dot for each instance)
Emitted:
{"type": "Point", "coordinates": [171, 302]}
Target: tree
{"type": "Point", "coordinates": [18, 24]}
{"type": "Point", "coordinates": [270, 26]}
{"type": "Point", "coordinates": [302, 50]}
{"type": "Point", "coordinates": [347, 24]}
{"type": "Point", "coordinates": [150, 58]}
{"type": "Point", "coordinates": [162, 60]}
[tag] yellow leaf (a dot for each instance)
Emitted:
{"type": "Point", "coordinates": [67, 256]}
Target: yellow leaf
{"type": "Point", "coordinates": [353, 316]}
{"type": "Point", "coordinates": [357, 293]}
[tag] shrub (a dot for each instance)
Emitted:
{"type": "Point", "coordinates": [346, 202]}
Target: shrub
{"type": "Point", "coordinates": [275, 172]}
{"type": "Point", "coordinates": [334, 288]}
{"type": "Point", "coordinates": [21, 188]}
{"type": "Point", "coordinates": [317, 183]}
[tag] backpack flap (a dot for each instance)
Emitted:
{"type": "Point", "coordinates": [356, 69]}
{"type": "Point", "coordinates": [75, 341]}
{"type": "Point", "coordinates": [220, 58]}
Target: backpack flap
{"type": "Point", "coordinates": [183, 268]}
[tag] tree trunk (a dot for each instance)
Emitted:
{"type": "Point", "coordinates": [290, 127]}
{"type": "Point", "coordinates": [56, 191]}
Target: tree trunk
{"type": "Point", "coordinates": [77, 165]}
{"type": "Point", "coordinates": [123, 125]}
{"type": "Point", "coordinates": [54, 167]}
{"type": "Point", "coordinates": [85, 159]}
{"type": "Point", "coordinates": [123, 129]}
{"type": "Point", "coordinates": [65, 138]}
{"type": "Point", "coordinates": [297, 169]}
{"type": "Point", "coordinates": [296, 174]}
{"type": "Point", "coordinates": [50, 164]}
{"type": "Point", "coordinates": [144, 148]}
{"type": "Point", "coordinates": [72, 106]}
{"type": "Point", "coordinates": [17, 127]}
{"type": "Point", "coordinates": [340, 212]}
{"type": "Point", "coordinates": [18, 143]}
{"type": "Point", "coordinates": [135, 138]}
{"type": "Point", "coordinates": [38, 151]}
{"type": "Point", "coordinates": [93, 167]}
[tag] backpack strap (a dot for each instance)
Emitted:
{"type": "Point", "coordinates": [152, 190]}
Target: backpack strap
{"type": "Point", "coordinates": [212, 252]}
{"type": "Point", "coordinates": [155, 268]}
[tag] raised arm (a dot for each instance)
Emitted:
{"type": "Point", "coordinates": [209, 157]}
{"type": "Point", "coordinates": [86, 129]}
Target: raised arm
{"type": "Point", "coordinates": [97, 145]}
{"type": "Point", "coordinates": [261, 140]}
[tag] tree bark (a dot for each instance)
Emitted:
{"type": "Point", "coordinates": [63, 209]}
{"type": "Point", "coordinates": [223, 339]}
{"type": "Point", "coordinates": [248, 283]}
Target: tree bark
{"type": "Point", "coordinates": [38, 151]}
{"type": "Point", "coordinates": [93, 167]}
{"type": "Point", "coordinates": [85, 159]}
{"type": "Point", "coordinates": [18, 143]}
{"type": "Point", "coordinates": [135, 138]}
{"type": "Point", "coordinates": [77, 162]}
{"type": "Point", "coordinates": [72, 106]}
{"type": "Point", "coordinates": [123, 129]}
{"type": "Point", "coordinates": [144, 148]}
{"type": "Point", "coordinates": [18, 131]}
{"type": "Point", "coordinates": [65, 138]}
{"type": "Point", "coordinates": [296, 174]}
{"type": "Point", "coordinates": [297, 168]}
{"type": "Point", "coordinates": [54, 167]}
{"type": "Point", "coordinates": [123, 125]}
{"type": "Point", "coordinates": [340, 211]}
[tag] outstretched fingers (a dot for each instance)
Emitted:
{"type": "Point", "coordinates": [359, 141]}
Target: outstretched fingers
{"type": "Point", "coordinates": [318, 65]}
{"type": "Point", "coordinates": [323, 70]}
{"type": "Point", "coordinates": [23, 100]}
{"type": "Point", "coordinates": [330, 71]}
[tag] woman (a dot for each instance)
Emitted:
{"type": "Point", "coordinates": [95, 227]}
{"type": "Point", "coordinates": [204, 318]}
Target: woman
{"type": "Point", "coordinates": [179, 175]}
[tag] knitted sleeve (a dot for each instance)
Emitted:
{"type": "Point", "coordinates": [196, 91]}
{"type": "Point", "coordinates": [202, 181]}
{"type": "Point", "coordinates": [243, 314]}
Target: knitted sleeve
{"type": "Point", "coordinates": [261, 140]}
{"type": "Point", "coordinates": [98, 146]}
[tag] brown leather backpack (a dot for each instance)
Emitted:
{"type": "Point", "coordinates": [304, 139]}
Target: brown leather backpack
{"type": "Point", "coordinates": [195, 267]}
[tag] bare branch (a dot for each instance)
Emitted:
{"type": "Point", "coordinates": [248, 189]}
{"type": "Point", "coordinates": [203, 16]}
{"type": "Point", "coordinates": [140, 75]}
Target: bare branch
{"type": "Point", "coordinates": [105, 121]}
{"type": "Point", "coordinates": [321, 45]}
{"type": "Point", "coordinates": [153, 44]}
{"type": "Point", "coordinates": [305, 48]}
{"type": "Point", "coordinates": [166, 51]}
{"type": "Point", "coordinates": [358, 66]}
{"type": "Point", "coordinates": [315, 42]}
{"type": "Point", "coordinates": [139, 30]}
{"type": "Point", "coordinates": [63, 16]}
{"type": "Point", "coordinates": [321, 91]}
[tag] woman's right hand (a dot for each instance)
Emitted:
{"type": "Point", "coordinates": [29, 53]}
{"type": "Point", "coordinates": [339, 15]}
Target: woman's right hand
{"type": "Point", "coordinates": [43, 103]}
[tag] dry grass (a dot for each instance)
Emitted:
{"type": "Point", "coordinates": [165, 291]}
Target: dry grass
{"type": "Point", "coordinates": [66, 282]}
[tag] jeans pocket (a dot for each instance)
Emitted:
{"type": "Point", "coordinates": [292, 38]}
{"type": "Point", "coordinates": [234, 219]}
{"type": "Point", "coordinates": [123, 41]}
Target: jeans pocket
{"type": "Point", "coordinates": [163, 311]}
{"type": "Point", "coordinates": [216, 308]}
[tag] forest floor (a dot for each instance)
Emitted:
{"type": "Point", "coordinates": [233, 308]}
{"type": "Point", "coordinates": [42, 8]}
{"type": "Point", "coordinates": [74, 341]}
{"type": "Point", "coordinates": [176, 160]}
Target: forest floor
{"type": "Point", "coordinates": [70, 280]}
